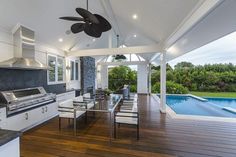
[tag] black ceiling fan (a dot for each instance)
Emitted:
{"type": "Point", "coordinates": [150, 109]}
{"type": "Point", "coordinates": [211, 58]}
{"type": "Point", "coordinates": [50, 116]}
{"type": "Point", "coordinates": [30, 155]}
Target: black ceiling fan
{"type": "Point", "coordinates": [92, 24]}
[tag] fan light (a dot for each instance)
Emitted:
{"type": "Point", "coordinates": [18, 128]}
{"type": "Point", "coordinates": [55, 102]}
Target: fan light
{"type": "Point", "coordinates": [120, 57]}
{"type": "Point", "coordinates": [135, 16]}
{"type": "Point", "coordinates": [60, 40]}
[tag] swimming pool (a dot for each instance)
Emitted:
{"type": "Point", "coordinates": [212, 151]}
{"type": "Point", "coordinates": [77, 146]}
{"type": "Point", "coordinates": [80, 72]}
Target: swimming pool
{"type": "Point", "coordinates": [190, 105]}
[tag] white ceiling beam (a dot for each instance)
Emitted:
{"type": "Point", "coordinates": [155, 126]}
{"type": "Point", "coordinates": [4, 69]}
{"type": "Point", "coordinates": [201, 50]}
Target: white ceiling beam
{"type": "Point", "coordinates": [203, 8]}
{"type": "Point", "coordinates": [113, 51]}
{"type": "Point", "coordinates": [124, 63]}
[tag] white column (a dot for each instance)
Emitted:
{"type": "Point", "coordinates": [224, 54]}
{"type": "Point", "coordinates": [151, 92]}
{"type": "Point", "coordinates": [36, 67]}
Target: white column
{"type": "Point", "coordinates": [104, 76]}
{"type": "Point", "coordinates": [163, 83]}
{"type": "Point", "coordinates": [149, 78]}
{"type": "Point", "coordinates": [142, 79]}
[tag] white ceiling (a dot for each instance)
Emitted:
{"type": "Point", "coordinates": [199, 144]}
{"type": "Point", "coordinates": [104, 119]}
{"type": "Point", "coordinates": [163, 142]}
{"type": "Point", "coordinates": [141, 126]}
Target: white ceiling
{"type": "Point", "coordinates": [157, 20]}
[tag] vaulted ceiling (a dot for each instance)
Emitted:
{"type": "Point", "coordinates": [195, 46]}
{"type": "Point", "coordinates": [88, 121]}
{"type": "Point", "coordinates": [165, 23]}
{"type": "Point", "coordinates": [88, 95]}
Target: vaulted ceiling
{"type": "Point", "coordinates": [157, 19]}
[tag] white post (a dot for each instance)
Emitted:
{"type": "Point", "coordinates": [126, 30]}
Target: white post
{"type": "Point", "coordinates": [149, 79]}
{"type": "Point", "coordinates": [163, 83]}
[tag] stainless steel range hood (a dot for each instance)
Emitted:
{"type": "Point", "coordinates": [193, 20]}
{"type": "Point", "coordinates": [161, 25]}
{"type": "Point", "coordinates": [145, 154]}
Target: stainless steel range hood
{"type": "Point", "coordinates": [24, 51]}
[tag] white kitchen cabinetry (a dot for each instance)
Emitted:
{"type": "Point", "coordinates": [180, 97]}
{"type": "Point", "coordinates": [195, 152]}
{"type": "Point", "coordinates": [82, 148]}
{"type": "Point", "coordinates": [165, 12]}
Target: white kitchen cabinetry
{"type": "Point", "coordinates": [11, 149]}
{"type": "Point", "coordinates": [29, 119]}
{"type": "Point", "coordinates": [2, 117]}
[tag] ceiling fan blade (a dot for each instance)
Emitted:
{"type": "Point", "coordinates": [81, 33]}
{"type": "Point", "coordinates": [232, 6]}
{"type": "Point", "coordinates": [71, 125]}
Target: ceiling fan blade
{"type": "Point", "coordinates": [77, 27]}
{"type": "Point", "coordinates": [72, 18]}
{"type": "Point", "coordinates": [103, 23]}
{"type": "Point", "coordinates": [92, 31]}
{"type": "Point", "coordinates": [88, 16]}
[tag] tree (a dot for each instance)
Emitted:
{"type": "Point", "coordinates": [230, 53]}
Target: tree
{"type": "Point", "coordinates": [184, 65]}
{"type": "Point", "coordinates": [120, 76]}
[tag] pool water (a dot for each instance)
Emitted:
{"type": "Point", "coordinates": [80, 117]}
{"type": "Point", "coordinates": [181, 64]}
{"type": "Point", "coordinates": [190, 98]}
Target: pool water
{"type": "Point", "coordinates": [223, 102]}
{"type": "Point", "coordinates": [189, 105]}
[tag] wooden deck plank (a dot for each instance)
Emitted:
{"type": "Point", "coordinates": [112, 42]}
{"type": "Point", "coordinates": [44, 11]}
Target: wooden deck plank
{"type": "Point", "coordinates": [160, 135]}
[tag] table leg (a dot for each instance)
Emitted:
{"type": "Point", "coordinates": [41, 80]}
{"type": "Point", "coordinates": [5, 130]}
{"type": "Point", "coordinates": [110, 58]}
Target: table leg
{"type": "Point", "coordinates": [75, 122]}
{"type": "Point", "coordinates": [110, 126]}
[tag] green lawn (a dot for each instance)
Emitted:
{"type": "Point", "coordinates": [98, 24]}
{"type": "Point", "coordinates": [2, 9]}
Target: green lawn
{"type": "Point", "coordinates": [218, 94]}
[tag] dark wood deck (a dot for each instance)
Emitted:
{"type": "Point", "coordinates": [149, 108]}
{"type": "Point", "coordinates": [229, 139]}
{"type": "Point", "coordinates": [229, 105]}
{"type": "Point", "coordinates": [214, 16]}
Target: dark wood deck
{"type": "Point", "coordinates": [159, 136]}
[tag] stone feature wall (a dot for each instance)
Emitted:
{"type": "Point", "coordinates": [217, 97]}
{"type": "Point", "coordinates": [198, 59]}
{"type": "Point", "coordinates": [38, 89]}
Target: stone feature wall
{"type": "Point", "coordinates": [18, 79]}
{"type": "Point", "coordinates": [88, 73]}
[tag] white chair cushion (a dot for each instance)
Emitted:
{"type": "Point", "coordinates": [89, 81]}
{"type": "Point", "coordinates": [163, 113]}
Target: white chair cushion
{"type": "Point", "coordinates": [67, 103]}
{"type": "Point", "coordinates": [90, 105]}
{"type": "Point", "coordinates": [87, 95]}
{"type": "Point", "coordinates": [70, 114]}
{"type": "Point", "coordinates": [126, 114]}
{"type": "Point", "coordinates": [79, 98]}
{"type": "Point", "coordinates": [127, 120]}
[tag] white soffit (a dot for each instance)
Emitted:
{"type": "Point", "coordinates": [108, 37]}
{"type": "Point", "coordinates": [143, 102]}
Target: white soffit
{"type": "Point", "coordinates": [218, 23]}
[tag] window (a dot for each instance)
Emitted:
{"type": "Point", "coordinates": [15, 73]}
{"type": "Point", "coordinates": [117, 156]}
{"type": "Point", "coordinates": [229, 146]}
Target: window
{"type": "Point", "coordinates": [74, 70]}
{"type": "Point", "coordinates": [52, 69]}
{"type": "Point", "coordinates": [56, 69]}
{"type": "Point", "coordinates": [72, 66]}
{"type": "Point", "coordinates": [60, 69]}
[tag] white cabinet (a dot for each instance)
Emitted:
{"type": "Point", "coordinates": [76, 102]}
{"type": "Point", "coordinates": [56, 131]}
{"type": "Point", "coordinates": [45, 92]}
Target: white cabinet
{"type": "Point", "coordinates": [17, 122]}
{"type": "Point", "coordinates": [2, 117]}
{"type": "Point", "coordinates": [11, 149]}
{"type": "Point", "coordinates": [31, 118]}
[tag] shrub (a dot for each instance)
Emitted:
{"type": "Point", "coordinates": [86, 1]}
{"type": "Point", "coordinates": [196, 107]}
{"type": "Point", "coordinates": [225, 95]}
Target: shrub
{"type": "Point", "coordinates": [133, 88]}
{"type": "Point", "coordinates": [171, 88]}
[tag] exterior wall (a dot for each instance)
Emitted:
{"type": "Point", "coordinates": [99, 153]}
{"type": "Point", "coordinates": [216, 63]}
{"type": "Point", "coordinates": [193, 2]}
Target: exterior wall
{"type": "Point", "coordinates": [88, 73]}
{"type": "Point", "coordinates": [142, 80]}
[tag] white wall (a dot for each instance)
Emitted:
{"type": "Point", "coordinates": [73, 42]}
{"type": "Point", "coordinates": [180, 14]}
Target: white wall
{"type": "Point", "coordinates": [74, 83]}
{"type": "Point", "coordinates": [41, 51]}
{"type": "Point", "coordinates": [142, 80]}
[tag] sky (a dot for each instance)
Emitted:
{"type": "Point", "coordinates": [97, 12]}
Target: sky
{"type": "Point", "coordinates": [222, 50]}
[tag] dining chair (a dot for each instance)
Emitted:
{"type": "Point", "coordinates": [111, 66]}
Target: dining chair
{"type": "Point", "coordinates": [128, 116]}
{"type": "Point", "coordinates": [68, 111]}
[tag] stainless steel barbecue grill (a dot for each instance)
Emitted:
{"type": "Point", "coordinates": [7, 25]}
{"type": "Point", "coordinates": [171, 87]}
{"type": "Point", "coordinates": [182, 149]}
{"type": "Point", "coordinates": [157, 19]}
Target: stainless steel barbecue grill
{"type": "Point", "coordinates": [17, 101]}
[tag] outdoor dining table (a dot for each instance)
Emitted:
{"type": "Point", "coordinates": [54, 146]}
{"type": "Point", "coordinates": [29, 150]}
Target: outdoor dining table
{"type": "Point", "coordinates": [104, 106]}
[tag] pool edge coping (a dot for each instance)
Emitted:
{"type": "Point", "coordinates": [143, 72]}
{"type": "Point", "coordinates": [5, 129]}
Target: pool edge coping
{"type": "Point", "coordinates": [173, 115]}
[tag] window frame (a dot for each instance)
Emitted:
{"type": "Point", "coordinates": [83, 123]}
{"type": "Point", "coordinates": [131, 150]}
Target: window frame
{"type": "Point", "coordinates": [74, 70]}
{"type": "Point", "coordinates": [56, 70]}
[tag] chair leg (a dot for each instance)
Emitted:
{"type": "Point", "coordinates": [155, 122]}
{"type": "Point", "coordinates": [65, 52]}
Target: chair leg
{"type": "Point", "coordinates": [114, 130]}
{"type": "Point", "coordinates": [85, 118]}
{"type": "Point", "coordinates": [59, 123]}
{"type": "Point", "coordinates": [137, 132]}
